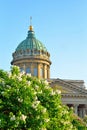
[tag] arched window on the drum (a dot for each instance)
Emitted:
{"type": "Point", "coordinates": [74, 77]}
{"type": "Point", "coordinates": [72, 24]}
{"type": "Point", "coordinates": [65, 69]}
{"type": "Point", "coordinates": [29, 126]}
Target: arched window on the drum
{"type": "Point", "coordinates": [28, 70]}
{"type": "Point", "coordinates": [21, 69]}
{"type": "Point", "coordinates": [35, 72]}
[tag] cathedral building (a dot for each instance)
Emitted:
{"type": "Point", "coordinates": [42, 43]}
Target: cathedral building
{"type": "Point", "coordinates": [32, 57]}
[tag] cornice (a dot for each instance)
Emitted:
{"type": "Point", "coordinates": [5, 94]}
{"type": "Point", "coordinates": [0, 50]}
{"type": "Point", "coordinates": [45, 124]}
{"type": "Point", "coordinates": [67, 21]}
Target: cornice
{"type": "Point", "coordinates": [73, 95]}
{"type": "Point", "coordinates": [32, 58]}
{"type": "Point", "coordinates": [69, 86]}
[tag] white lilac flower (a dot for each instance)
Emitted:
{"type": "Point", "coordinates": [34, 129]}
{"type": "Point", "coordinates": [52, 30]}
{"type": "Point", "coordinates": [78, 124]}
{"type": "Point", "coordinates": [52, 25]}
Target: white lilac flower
{"type": "Point", "coordinates": [19, 78]}
{"type": "Point", "coordinates": [47, 120]}
{"type": "Point", "coordinates": [43, 129]}
{"type": "Point", "coordinates": [58, 91]}
{"type": "Point", "coordinates": [59, 106]}
{"type": "Point", "coordinates": [28, 74]}
{"type": "Point", "coordinates": [23, 117]}
{"type": "Point", "coordinates": [65, 112]}
{"type": "Point", "coordinates": [46, 82]}
{"type": "Point", "coordinates": [71, 126]}
{"type": "Point", "coordinates": [35, 93]}
{"type": "Point", "coordinates": [22, 73]}
{"type": "Point", "coordinates": [8, 86]}
{"type": "Point", "coordinates": [46, 87]}
{"type": "Point", "coordinates": [9, 74]}
{"type": "Point", "coordinates": [16, 67]}
{"type": "Point", "coordinates": [66, 122]}
{"type": "Point", "coordinates": [20, 100]}
{"type": "Point", "coordinates": [29, 83]}
{"type": "Point", "coordinates": [40, 92]}
{"type": "Point", "coordinates": [3, 83]}
{"type": "Point", "coordinates": [36, 87]}
{"type": "Point", "coordinates": [14, 76]}
{"type": "Point", "coordinates": [35, 104]}
{"type": "Point", "coordinates": [13, 118]}
{"type": "Point", "coordinates": [44, 110]}
{"type": "Point", "coordinates": [35, 98]}
{"type": "Point", "coordinates": [38, 117]}
{"type": "Point", "coordinates": [39, 80]}
{"type": "Point", "coordinates": [52, 93]}
{"type": "Point", "coordinates": [2, 92]}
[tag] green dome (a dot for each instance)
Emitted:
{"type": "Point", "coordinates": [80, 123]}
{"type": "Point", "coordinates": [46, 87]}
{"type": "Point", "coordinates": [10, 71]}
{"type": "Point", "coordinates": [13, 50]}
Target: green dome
{"type": "Point", "coordinates": [31, 43]}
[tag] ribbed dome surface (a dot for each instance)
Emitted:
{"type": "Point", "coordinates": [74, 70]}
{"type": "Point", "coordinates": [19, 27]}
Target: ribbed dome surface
{"type": "Point", "coordinates": [31, 43]}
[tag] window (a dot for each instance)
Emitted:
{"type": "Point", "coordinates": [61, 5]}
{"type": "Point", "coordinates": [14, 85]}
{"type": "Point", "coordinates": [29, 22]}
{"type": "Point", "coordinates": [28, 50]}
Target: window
{"type": "Point", "coordinates": [28, 70]}
{"type": "Point", "coordinates": [21, 69]}
{"type": "Point", "coordinates": [41, 72]}
{"type": "Point", "coordinates": [35, 71]}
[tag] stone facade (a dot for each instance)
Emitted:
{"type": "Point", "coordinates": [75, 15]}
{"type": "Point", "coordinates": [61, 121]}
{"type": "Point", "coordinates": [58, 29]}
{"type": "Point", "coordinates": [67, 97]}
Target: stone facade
{"type": "Point", "coordinates": [73, 93]}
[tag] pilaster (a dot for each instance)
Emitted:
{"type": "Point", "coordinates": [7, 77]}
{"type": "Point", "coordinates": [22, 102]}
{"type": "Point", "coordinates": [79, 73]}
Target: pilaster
{"type": "Point", "coordinates": [48, 72]}
{"type": "Point", "coordinates": [38, 70]}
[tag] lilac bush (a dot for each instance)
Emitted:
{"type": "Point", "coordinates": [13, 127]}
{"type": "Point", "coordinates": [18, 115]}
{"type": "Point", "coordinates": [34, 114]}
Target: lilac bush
{"type": "Point", "coordinates": [27, 103]}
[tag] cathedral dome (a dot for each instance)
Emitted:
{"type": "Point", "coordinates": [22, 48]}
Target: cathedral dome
{"type": "Point", "coordinates": [32, 56]}
{"type": "Point", "coordinates": [31, 43]}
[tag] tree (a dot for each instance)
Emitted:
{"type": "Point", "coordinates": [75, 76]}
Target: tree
{"type": "Point", "coordinates": [27, 103]}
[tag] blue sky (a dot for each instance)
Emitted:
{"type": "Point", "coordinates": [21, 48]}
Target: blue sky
{"type": "Point", "coordinates": [60, 24]}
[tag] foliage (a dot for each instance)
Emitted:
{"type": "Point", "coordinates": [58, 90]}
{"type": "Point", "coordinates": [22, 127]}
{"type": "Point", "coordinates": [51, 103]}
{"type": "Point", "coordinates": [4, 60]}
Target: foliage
{"type": "Point", "coordinates": [85, 119]}
{"type": "Point", "coordinates": [78, 122]}
{"type": "Point", "coordinates": [27, 103]}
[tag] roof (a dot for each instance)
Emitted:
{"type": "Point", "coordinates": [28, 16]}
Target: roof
{"type": "Point", "coordinates": [31, 43]}
{"type": "Point", "coordinates": [67, 87]}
